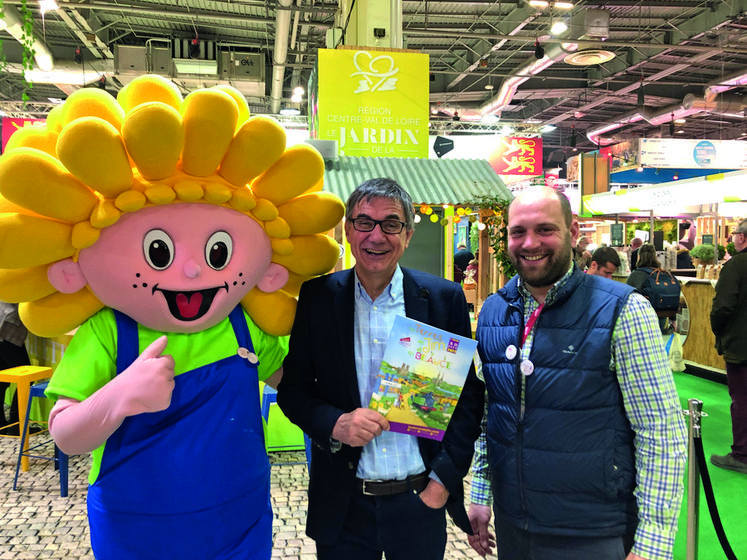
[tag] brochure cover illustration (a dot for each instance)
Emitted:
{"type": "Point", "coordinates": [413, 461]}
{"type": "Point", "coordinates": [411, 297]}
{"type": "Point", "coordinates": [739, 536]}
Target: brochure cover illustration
{"type": "Point", "coordinates": [421, 378]}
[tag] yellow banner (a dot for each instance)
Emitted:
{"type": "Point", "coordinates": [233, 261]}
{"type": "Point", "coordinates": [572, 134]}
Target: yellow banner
{"type": "Point", "coordinates": [374, 103]}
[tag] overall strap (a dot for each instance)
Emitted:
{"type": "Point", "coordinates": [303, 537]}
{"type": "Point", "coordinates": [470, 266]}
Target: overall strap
{"type": "Point", "coordinates": [240, 328]}
{"type": "Point", "coordinates": [127, 341]}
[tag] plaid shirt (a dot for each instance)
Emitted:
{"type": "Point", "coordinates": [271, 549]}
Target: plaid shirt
{"type": "Point", "coordinates": [653, 409]}
{"type": "Point", "coordinates": [390, 456]}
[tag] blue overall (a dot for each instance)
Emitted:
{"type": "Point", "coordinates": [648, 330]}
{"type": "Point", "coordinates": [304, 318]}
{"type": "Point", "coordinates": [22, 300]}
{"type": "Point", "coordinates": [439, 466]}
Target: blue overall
{"type": "Point", "coordinates": [192, 481]}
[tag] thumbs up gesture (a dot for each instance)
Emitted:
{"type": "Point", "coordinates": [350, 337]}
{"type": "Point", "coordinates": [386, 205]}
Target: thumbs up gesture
{"type": "Point", "coordinates": [146, 385]}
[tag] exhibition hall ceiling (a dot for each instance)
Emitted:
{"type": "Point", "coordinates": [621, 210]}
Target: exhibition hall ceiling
{"type": "Point", "coordinates": [622, 69]}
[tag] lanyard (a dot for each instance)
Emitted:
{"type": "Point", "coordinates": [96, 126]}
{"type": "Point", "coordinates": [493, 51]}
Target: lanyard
{"type": "Point", "coordinates": [530, 323]}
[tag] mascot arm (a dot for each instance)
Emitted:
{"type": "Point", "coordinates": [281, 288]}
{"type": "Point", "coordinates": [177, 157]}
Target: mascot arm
{"type": "Point", "coordinates": [146, 386]}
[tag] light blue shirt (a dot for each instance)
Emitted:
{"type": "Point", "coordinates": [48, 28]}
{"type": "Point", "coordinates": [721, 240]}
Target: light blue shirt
{"type": "Point", "coordinates": [390, 456]}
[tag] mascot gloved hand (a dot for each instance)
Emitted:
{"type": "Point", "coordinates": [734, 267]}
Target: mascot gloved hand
{"type": "Point", "coordinates": [174, 234]}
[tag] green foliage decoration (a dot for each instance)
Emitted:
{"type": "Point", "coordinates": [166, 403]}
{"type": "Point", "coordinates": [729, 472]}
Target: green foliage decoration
{"type": "Point", "coordinates": [27, 42]}
{"type": "Point", "coordinates": [496, 222]}
{"type": "Point", "coordinates": [731, 248]}
{"type": "Point", "coordinates": [704, 252]}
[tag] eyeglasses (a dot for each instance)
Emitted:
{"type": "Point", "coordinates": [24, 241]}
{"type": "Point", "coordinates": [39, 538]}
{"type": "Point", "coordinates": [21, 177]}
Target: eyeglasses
{"type": "Point", "coordinates": [390, 227]}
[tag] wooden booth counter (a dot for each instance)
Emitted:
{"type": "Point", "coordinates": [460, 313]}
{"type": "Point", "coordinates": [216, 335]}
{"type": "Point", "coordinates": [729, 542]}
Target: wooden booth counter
{"type": "Point", "coordinates": [699, 347]}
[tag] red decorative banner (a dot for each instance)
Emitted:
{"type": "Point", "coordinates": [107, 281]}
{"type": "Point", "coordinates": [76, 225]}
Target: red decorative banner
{"type": "Point", "coordinates": [10, 125]}
{"type": "Point", "coordinates": [517, 156]}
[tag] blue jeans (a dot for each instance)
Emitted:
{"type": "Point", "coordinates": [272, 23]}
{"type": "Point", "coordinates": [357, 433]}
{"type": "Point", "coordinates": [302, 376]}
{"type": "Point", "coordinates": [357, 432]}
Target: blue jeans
{"type": "Point", "coordinates": [513, 543]}
{"type": "Point", "coordinates": [401, 526]}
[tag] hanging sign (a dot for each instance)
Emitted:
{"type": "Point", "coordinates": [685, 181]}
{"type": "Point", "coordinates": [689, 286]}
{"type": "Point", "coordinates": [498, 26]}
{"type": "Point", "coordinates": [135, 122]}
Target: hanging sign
{"type": "Point", "coordinates": [517, 156]}
{"type": "Point", "coordinates": [10, 125]}
{"type": "Point", "coordinates": [374, 103]}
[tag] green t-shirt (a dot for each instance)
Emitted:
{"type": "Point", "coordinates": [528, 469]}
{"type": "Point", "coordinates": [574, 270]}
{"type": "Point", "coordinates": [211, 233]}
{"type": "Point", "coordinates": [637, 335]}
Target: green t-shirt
{"type": "Point", "coordinates": [90, 360]}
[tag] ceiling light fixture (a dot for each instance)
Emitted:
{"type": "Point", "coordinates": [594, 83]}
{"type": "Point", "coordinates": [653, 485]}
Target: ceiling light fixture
{"type": "Point", "coordinates": [558, 28]}
{"type": "Point", "coordinates": [563, 5]}
{"type": "Point", "coordinates": [539, 3]}
{"type": "Point", "coordinates": [48, 6]}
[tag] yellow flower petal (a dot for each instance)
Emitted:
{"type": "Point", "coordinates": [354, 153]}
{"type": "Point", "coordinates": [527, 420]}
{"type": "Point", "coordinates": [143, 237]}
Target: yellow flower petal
{"type": "Point", "coordinates": [210, 117]}
{"type": "Point", "coordinates": [37, 181]}
{"type": "Point", "coordinates": [93, 151]}
{"type": "Point", "coordinates": [258, 144]}
{"type": "Point", "coordinates": [154, 135]}
{"type": "Point", "coordinates": [298, 169]}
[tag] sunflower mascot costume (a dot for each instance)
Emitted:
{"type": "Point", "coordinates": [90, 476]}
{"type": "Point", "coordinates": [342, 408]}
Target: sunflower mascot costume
{"type": "Point", "coordinates": [174, 234]}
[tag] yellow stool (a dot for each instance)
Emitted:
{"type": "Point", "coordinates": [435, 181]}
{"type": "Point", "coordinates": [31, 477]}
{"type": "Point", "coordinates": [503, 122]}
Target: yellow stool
{"type": "Point", "coordinates": [23, 377]}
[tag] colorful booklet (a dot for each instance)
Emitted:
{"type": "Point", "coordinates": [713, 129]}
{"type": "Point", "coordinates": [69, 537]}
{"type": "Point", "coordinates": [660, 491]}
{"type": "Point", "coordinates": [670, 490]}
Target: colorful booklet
{"type": "Point", "coordinates": [421, 377]}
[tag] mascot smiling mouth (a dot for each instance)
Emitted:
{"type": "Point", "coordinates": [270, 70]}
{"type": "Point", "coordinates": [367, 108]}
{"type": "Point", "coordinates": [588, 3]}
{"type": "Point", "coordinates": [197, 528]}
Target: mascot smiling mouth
{"type": "Point", "coordinates": [189, 306]}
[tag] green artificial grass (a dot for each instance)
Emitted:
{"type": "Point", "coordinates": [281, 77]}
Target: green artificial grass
{"type": "Point", "coordinates": [729, 487]}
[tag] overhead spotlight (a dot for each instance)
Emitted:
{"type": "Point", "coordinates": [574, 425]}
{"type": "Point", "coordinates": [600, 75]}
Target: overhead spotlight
{"type": "Point", "coordinates": [639, 168]}
{"type": "Point", "coordinates": [102, 82]}
{"type": "Point", "coordinates": [539, 52]}
{"type": "Point", "coordinates": [675, 177]}
{"type": "Point", "coordinates": [78, 56]}
{"type": "Point", "coordinates": [558, 27]}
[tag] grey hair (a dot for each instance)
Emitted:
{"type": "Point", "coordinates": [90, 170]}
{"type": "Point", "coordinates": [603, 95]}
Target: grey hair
{"type": "Point", "coordinates": [382, 187]}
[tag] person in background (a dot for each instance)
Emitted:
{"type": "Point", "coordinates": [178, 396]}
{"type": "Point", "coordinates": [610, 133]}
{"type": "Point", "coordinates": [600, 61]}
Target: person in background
{"type": "Point", "coordinates": [635, 245]}
{"type": "Point", "coordinates": [604, 262]}
{"type": "Point", "coordinates": [12, 354]}
{"type": "Point", "coordinates": [687, 231]}
{"type": "Point", "coordinates": [462, 257]}
{"type": "Point", "coordinates": [728, 317]}
{"type": "Point", "coordinates": [586, 441]}
{"type": "Point", "coordinates": [372, 491]}
{"type": "Point", "coordinates": [646, 260]}
{"type": "Point", "coordinates": [581, 255]}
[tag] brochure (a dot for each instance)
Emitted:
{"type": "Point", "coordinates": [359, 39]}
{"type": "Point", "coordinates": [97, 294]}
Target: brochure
{"type": "Point", "coordinates": [421, 378]}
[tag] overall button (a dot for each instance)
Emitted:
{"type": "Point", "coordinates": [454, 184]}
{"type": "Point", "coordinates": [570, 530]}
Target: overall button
{"type": "Point", "coordinates": [247, 355]}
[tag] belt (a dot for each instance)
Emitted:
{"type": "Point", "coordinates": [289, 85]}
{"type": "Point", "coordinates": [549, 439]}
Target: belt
{"type": "Point", "coordinates": [416, 483]}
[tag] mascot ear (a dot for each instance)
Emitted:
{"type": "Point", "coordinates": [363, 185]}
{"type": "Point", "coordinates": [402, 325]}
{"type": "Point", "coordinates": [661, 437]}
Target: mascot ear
{"type": "Point", "coordinates": [66, 276]}
{"type": "Point", "coordinates": [274, 279]}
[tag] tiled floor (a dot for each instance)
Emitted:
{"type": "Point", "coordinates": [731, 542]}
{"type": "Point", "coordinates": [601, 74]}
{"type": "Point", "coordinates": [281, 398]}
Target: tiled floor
{"type": "Point", "coordinates": [35, 522]}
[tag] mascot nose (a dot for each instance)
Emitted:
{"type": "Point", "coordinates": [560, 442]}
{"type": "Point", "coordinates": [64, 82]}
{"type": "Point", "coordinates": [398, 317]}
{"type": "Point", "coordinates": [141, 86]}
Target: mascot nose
{"type": "Point", "coordinates": [191, 269]}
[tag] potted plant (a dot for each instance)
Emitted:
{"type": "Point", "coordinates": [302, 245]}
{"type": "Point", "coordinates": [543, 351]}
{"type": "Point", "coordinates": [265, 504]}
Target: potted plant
{"type": "Point", "coordinates": [703, 254]}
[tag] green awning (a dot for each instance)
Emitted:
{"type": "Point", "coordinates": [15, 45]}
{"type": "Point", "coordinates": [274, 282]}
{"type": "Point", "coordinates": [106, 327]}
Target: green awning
{"type": "Point", "coordinates": [429, 181]}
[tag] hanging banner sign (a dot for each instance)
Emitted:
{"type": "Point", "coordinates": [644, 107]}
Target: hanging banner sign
{"type": "Point", "coordinates": [10, 125]}
{"type": "Point", "coordinates": [693, 154]}
{"type": "Point", "coordinates": [374, 103]}
{"type": "Point", "coordinates": [517, 156]}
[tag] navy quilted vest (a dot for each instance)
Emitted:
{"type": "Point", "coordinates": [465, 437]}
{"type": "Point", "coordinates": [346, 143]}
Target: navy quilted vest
{"type": "Point", "coordinates": [562, 457]}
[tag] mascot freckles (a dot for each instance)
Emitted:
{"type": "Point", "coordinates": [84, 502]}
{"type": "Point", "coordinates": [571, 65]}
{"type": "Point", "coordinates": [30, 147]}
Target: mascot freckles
{"type": "Point", "coordinates": [174, 234]}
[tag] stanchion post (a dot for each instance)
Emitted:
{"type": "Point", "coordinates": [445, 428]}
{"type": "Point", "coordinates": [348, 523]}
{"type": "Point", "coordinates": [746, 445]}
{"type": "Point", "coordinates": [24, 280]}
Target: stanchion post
{"type": "Point", "coordinates": [694, 412]}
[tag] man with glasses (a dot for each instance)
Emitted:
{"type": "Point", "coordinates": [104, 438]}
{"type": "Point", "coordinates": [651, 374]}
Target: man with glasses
{"type": "Point", "coordinates": [728, 317]}
{"type": "Point", "coordinates": [372, 491]}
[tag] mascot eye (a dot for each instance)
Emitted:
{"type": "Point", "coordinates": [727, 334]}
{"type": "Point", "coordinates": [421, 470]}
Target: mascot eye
{"type": "Point", "coordinates": [158, 249]}
{"type": "Point", "coordinates": [218, 250]}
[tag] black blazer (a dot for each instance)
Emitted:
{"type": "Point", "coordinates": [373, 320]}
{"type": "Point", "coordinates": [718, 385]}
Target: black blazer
{"type": "Point", "coordinates": [320, 384]}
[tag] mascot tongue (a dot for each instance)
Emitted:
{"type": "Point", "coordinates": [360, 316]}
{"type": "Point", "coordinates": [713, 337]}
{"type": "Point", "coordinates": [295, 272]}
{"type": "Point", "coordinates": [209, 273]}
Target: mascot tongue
{"type": "Point", "coordinates": [189, 305]}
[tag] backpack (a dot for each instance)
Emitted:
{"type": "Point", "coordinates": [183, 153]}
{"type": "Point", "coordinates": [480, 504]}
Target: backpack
{"type": "Point", "coordinates": [661, 289]}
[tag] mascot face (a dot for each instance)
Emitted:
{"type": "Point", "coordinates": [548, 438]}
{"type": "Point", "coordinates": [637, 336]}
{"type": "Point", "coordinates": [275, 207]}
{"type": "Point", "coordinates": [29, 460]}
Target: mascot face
{"type": "Point", "coordinates": [180, 267]}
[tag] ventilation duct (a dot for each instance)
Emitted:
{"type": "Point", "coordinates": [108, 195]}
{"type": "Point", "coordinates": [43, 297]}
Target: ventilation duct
{"type": "Point", "coordinates": [530, 69]}
{"type": "Point", "coordinates": [690, 105]}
